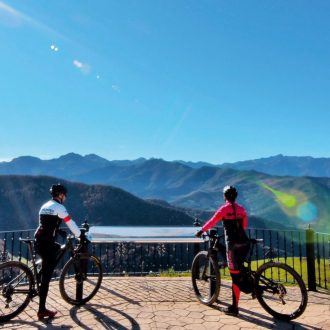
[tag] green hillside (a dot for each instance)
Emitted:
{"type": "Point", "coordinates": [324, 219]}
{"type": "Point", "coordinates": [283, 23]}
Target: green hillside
{"type": "Point", "coordinates": [22, 196]}
{"type": "Point", "coordinates": [290, 201]}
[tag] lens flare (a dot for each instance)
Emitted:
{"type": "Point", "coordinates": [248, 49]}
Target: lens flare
{"type": "Point", "coordinates": [286, 199]}
{"type": "Point", "coordinates": [307, 212]}
{"type": "Point", "coordinates": [295, 205]}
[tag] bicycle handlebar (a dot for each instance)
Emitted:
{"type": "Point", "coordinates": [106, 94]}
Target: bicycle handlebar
{"type": "Point", "coordinates": [256, 240]}
{"type": "Point", "coordinates": [215, 235]}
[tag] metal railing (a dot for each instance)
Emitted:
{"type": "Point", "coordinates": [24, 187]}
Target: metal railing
{"type": "Point", "coordinates": [305, 250]}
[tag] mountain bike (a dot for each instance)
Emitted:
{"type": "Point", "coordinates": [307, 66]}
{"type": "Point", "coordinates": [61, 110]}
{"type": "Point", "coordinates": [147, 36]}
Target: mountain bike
{"type": "Point", "coordinates": [278, 287]}
{"type": "Point", "coordinates": [79, 281]}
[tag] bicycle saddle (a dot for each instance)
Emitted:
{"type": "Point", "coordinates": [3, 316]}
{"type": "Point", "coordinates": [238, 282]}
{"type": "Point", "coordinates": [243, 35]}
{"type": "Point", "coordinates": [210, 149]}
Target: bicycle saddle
{"type": "Point", "coordinates": [255, 240]}
{"type": "Point", "coordinates": [27, 240]}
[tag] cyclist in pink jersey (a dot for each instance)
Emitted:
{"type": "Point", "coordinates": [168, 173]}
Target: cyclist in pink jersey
{"type": "Point", "coordinates": [235, 222]}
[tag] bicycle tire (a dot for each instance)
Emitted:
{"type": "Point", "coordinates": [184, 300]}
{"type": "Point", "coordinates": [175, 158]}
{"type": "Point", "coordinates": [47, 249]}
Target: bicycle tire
{"type": "Point", "coordinates": [78, 286]}
{"type": "Point", "coordinates": [280, 290]}
{"type": "Point", "coordinates": [16, 285]}
{"type": "Point", "coordinates": [205, 277]}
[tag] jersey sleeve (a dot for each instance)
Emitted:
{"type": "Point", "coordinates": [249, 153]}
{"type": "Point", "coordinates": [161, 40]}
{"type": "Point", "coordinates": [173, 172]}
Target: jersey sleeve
{"type": "Point", "coordinates": [218, 215]}
{"type": "Point", "coordinates": [245, 221]}
{"type": "Point", "coordinates": [64, 215]}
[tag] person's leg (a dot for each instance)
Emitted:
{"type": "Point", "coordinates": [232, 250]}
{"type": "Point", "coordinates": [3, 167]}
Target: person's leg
{"type": "Point", "coordinates": [47, 251]}
{"type": "Point", "coordinates": [235, 276]}
{"type": "Point", "coordinates": [223, 255]}
{"type": "Point", "coordinates": [47, 271]}
{"type": "Point", "coordinates": [236, 292]}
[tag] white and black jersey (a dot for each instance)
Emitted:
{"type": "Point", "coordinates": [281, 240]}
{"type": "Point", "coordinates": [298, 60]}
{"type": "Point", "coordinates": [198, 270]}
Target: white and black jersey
{"type": "Point", "coordinates": [51, 215]}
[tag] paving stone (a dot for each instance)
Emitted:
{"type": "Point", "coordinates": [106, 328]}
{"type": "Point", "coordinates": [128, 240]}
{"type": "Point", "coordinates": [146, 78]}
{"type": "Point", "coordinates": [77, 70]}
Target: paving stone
{"type": "Point", "coordinates": [195, 315]}
{"type": "Point", "coordinates": [194, 327]}
{"type": "Point", "coordinates": [211, 318]}
{"type": "Point", "coordinates": [146, 303]}
{"type": "Point", "coordinates": [213, 325]}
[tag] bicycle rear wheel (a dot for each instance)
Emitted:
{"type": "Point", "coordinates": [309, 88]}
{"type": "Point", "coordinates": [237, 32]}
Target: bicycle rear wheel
{"type": "Point", "coordinates": [280, 290]}
{"type": "Point", "coordinates": [205, 278]}
{"type": "Point", "coordinates": [16, 286]}
{"type": "Point", "coordinates": [80, 279]}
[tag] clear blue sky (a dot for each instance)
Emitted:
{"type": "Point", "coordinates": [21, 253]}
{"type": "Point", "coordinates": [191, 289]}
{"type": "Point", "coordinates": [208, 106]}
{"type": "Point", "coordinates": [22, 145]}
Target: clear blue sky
{"type": "Point", "coordinates": [216, 81]}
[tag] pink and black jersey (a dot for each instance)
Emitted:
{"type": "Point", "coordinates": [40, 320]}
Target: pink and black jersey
{"type": "Point", "coordinates": [234, 220]}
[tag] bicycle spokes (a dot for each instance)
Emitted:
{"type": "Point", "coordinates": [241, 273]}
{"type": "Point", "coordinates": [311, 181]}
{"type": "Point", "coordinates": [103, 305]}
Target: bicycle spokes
{"type": "Point", "coordinates": [205, 278]}
{"type": "Point", "coordinates": [15, 289]}
{"type": "Point", "coordinates": [80, 279]}
{"type": "Point", "coordinates": [280, 290]}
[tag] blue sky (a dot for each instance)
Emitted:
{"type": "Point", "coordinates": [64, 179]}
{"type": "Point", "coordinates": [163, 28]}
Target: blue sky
{"type": "Point", "coordinates": [216, 81]}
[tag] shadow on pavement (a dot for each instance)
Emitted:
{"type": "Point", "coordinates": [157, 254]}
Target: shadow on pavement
{"type": "Point", "coordinates": [46, 324]}
{"type": "Point", "coordinates": [104, 320]}
{"type": "Point", "coordinates": [131, 301]}
{"type": "Point", "coordinates": [267, 322]}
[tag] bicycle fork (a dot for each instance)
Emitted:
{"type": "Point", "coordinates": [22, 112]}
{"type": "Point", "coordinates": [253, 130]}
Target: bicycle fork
{"type": "Point", "coordinates": [80, 268]}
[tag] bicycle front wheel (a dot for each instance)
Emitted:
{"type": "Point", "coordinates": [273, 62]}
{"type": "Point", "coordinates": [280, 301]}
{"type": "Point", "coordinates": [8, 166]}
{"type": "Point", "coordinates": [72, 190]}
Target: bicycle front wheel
{"type": "Point", "coordinates": [280, 290]}
{"type": "Point", "coordinates": [80, 279]}
{"type": "Point", "coordinates": [16, 285]}
{"type": "Point", "coordinates": [205, 278]}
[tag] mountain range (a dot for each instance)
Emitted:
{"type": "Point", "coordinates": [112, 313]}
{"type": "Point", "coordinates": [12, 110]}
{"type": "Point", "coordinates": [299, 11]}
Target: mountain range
{"type": "Point", "coordinates": [75, 164]}
{"type": "Point", "coordinates": [22, 196]}
{"type": "Point", "coordinates": [286, 200]}
{"type": "Point", "coordinates": [285, 166]}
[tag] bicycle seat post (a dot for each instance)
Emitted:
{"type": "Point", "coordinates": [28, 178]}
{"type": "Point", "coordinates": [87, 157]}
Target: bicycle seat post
{"type": "Point", "coordinates": [32, 252]}
{"type": "Point", "coordinates": [29, 243]}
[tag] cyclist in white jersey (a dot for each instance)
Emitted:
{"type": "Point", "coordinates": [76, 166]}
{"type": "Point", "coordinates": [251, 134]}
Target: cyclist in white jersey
{"type": "Point", "coordinates": [51, 215]}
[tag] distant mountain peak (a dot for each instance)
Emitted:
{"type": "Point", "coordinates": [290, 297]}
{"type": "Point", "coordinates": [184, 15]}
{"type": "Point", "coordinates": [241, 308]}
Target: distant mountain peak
{"type": "Point", "coordinates": [71, 155]}
{"type": "Point", "coordinates": [95, 157]}
{"type": "Point", "coordinates": [26, 160]}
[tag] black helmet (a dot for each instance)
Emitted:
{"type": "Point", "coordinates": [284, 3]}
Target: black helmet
{"type": "Point", "coordinates": [57, 189]}
{"type": "Point", "coordinates": [230, 193]}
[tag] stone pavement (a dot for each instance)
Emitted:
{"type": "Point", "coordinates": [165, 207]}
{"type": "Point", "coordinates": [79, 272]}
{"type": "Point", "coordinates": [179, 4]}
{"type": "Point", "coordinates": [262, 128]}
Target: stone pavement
{"type": "Point", "coordinates": [164, 303]}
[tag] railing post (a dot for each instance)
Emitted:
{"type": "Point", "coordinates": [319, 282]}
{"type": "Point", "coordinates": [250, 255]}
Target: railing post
{"type": "Point", "coordinates": [310, 255]}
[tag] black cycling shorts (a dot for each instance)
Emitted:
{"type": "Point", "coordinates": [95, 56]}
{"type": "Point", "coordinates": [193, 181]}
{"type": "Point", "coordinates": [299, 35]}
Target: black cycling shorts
{"type": "Point", "coordinates": [236, 254]}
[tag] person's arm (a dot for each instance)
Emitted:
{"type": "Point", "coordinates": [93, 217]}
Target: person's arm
{"type": "Point", "coordinates": [218, 215]}
{"type": "Point", "coordinates": [245, 221]}
{"type": "Point", "coordinates": [64, 215]}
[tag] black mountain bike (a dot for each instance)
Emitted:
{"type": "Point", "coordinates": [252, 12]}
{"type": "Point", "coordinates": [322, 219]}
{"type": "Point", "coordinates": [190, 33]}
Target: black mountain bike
{"type": "Point", "coordinates": [278, 287]}
{"type": "Point", "coordinates": [79, 281]}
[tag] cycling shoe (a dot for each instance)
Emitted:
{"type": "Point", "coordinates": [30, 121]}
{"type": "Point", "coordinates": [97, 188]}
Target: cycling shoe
{"type": "Point", "coordinates": [46, 313]}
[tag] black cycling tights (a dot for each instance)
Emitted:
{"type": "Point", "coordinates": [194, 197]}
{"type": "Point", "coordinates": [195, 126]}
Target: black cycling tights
{"type": "Point", "coordinates": [47, 251]}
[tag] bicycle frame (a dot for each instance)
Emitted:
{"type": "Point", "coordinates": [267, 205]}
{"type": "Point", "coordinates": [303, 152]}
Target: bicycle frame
{"type": "Point", "coordinates": [19, 278]}
{"type": "Point", "coordinates": [249, 258]}
{"type": "Point", "coordinates": [67, 247]}
{"type": "Point", "coordinates": [214, 244]}
{"type": "Point", "coordinates": [273, 293]}
{"type": "Point", "coordinates": [269, 284]}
